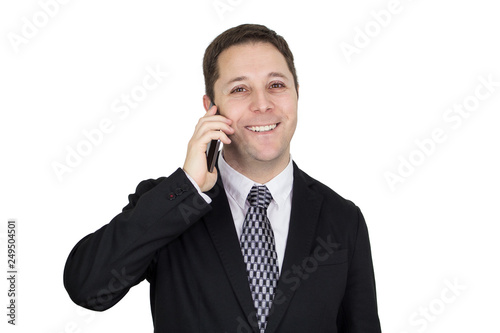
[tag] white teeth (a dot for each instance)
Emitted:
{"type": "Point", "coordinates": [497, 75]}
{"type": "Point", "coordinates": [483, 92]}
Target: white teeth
{"type": "Point", "coordinates": [262, 128]}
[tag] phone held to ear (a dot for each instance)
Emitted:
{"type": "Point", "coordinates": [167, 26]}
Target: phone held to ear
{"type": "Point", "coordinates": [212, 149]}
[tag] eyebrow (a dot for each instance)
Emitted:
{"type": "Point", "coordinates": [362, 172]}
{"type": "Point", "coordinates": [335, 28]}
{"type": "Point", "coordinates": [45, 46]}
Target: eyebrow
{"type": "Point", "coordinates": [243, 78]}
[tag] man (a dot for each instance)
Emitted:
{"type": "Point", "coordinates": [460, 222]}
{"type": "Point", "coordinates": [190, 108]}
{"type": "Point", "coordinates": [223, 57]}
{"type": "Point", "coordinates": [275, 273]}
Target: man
{"type": "Point", "coordinates": [254, 246]}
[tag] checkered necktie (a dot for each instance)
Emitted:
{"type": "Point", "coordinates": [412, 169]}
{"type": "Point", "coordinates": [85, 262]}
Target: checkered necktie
{"type": "Point", "coordinates": [259, 252]}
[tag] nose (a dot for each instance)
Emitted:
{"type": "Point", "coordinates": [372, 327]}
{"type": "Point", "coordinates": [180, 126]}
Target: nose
{"type": "Point", "coordinates": [261, 101]}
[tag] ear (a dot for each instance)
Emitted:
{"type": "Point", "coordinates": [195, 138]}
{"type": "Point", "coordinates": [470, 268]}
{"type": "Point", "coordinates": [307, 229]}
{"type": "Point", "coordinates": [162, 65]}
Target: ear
{"type": "Point", "coordinates": [206, 102]}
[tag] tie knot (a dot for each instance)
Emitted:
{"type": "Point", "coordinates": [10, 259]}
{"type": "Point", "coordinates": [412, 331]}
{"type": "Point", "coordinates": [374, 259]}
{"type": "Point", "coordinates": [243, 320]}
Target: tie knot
{"type": "Point", "coordinates": [259, 196]}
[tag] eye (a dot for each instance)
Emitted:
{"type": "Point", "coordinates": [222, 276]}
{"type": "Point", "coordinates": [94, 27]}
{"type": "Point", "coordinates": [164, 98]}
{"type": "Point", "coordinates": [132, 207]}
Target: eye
{"type": "Point", "coordinates": [238, 89]}
{"type": "Point", "coordinates": [277, 85]}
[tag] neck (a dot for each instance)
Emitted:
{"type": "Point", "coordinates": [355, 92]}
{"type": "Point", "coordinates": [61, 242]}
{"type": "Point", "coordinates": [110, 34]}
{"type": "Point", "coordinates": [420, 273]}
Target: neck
{"type": "Point", "coordinates": [258, 171]}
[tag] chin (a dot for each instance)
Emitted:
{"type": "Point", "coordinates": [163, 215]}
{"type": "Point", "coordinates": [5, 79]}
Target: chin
{"type": "Point", "coordinates": [267, 155]}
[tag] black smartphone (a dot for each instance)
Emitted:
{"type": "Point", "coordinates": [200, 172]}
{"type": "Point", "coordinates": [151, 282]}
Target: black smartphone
{"type": "Point", "coordinates": [212, 149]}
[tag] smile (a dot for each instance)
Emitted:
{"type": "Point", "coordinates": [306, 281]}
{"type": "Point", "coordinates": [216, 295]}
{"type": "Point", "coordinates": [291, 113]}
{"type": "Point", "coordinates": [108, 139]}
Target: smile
{"type": "Point", "coordinates": [266, 128]}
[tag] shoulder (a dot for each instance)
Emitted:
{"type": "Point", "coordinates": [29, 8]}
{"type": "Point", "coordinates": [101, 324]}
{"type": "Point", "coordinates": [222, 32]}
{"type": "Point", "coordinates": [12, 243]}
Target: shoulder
{"type": "Point", "coordinates": [330, 198]}
{"type": "Point", "coordinates": [337, 215]}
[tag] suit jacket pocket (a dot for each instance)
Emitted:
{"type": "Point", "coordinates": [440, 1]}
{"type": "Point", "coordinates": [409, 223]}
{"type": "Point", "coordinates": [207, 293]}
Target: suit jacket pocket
{"type": "Point", "coordinates": [336, 257]}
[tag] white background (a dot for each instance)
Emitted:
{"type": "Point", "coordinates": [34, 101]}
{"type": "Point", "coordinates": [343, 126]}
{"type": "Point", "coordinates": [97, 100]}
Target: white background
{"type": "Point", "coordinates": [357, 119]}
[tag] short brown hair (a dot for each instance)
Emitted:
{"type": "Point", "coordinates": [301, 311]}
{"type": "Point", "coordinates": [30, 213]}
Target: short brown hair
{"type": "Point", "coordinates": [242, 34]}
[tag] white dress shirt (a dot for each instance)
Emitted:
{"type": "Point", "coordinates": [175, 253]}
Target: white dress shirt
{"type": "Point", "coordinates": [237, 187]}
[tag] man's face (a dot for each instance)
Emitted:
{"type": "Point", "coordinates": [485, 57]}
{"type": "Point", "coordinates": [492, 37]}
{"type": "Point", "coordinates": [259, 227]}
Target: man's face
{"type": "Point", "coordinates": [256, 91]}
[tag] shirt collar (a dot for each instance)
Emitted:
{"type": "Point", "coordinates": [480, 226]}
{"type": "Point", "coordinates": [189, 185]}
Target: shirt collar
{"type": "Point", "coordinates": [238, 186]}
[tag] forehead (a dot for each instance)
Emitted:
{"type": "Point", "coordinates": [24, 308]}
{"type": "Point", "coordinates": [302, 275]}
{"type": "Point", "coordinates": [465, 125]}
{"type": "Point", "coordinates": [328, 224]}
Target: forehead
{"type": "Point", "coordinates": [251, 60]}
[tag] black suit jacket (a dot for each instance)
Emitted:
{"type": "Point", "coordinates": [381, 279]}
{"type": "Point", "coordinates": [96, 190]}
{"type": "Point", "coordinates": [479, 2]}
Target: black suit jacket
{"type": "Point", "coordinates": [189, 252]}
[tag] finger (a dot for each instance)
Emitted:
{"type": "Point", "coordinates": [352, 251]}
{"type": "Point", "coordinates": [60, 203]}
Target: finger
{"type": "Point", "coordinates": [212, 110]}
{"type": "Point", "coordinates": [215, 135]}
{"type": "Point", "coordinates": [202, 138]}
{"type": "Point", "coordinates": [217, 117]}
{"type": "Point", "coordinates": [211, 115]}
{"type": "Point", "coordinates": [212, 127]}
{"type": "Point", "coordinates": [212, 123]}
{"type": "Point", "coordinates": [216, 126]}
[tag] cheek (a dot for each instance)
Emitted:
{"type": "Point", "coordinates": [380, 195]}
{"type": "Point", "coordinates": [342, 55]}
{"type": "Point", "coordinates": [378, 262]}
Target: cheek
{"type": "Point", "coordinates": [288, 103]}
{"type": "Point", "coordinates": [232, 111]}
{"type": "Point", "coordinates": [290, 112]}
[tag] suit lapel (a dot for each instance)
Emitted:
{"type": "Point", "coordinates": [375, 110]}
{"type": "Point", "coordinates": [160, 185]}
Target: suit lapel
{"type": "Point", "coordinates": [304, 216]}
{"type": "Point", "coordinates": [220, 225]}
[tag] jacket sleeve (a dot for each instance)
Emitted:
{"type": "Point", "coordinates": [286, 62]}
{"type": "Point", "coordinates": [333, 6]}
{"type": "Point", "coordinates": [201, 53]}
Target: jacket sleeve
{"type": "Point", "coordinates": [358, 313]}
{"type": "Point", "coordinates": [104, 265]}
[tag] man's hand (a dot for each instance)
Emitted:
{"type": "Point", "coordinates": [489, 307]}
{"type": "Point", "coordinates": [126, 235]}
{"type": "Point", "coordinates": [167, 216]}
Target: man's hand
{"type": "Point", "coordinates": [210, 127]}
